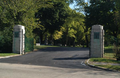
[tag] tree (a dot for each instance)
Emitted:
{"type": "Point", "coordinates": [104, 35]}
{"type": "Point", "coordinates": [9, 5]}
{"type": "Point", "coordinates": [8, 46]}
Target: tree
{"type": "Point", "coordinates": [73, 28]}
{"type": "Point", "coordinates": [19, 12]}
{"type": "Point", "coordinates": [14, 12]}
{"type": "Point", "coordinates": [80, 28]}
{"type": "Point", "coordinates": [102, 12]}
{"type": "Point", "coordinates": [52, 18]}
{"type": "Point", "coordinates": [59, 21]}
{"type": "Point", "coordinates": [81, 4]}
{"type": "Point", "coordinates": [117, 15]}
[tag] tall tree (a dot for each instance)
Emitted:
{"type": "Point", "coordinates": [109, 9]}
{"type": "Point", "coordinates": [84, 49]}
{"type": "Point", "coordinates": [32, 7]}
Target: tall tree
{"type": "Point", "coordinates": [14, 12]}
{"type": "Point", "coordinates": [53, 17]}
{"type": "Point", "coordinates": [117, 15]}
{"type": "Point", "coordinates": [19, 12]}
{"type": "Point", "coordinates": [102, 12]}
{"type": "Point", "coordinates": [73, 28]}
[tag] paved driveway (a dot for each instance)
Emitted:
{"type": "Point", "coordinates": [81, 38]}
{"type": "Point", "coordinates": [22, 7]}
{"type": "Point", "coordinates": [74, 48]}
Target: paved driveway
{"type": "Point", "coordinates": [54, 62]}
{"type": "Point", "coordinates": [64, 57]}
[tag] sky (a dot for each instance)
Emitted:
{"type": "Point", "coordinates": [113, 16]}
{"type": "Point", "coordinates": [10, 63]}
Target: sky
{"type": "Point", "coordinates": [72, 6]}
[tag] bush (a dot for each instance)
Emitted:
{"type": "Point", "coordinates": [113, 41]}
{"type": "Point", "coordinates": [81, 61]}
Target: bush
{"type": "Point", "coordinates": [6, 39]}
{"type": "Point", "coordinates": [116, 50]}
{"type": "Point", "coordinates": [29, 44]}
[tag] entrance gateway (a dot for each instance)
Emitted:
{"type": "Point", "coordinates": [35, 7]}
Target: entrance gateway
{"type": "Point", "coordinates": [96, 47]}
{"type": "Point", "coordinates": [19, 39]}
{"type": "Point", "coordinates": [97, 42]}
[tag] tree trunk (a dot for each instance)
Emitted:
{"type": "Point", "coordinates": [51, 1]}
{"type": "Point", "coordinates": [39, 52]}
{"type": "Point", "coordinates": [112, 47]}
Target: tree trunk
{"type": "Point", "coordinates": [46, 41]}
{"type": "Point", "coordinates": [51, 40]}
{"type": "Point", "coordinates": [86, 37]}
{"type": "Point", "coordinates": [41, 37]}
{"type": "Point", "coordinates": [66, 37]}
{"type": "Point", "coordinates": [73, 42]}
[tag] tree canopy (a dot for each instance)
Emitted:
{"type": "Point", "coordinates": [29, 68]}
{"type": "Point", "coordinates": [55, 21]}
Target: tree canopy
{"type": "Point", "coordinates": [54, 22]}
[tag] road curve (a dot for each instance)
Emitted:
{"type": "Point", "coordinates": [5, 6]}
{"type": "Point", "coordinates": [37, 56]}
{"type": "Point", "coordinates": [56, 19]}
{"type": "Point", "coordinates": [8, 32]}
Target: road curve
{"type": "Point", "coordinates": [53, 62]}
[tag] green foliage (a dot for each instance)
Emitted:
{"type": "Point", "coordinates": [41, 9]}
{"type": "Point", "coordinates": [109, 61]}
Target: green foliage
{"type": "Point", "coordinates": [106, 13]}
{"type": "Point", "coordinates": [59, 21]}
{"type": "Point", "coordinates": [116, 50]}
{"type": "Point", "coordinates": [14, 12]}
{"type": "Point", "coordinates": [19, 12]}
{"type": "Point", "coordinates": [52, 17]}
{"type": "Point", "coordinates": [117, 16]}
{"type": "Point", "coordinates": [50, 20]}
{"type": "Point", "coordinates": [73, 28]}
{"type": "Point", "coordinates": [29, 44]}
{"type": "Point", "coordinates": [99, 12]}
{"type": "Point", "coordinates": [6, 40]}
{"type": "Point", "coordinates": [57, 35]}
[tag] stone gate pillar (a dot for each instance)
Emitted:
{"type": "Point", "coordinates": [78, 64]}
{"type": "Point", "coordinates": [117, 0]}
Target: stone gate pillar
{"type": "Point", "coordinates": [19, 39]}
{"type": "Point", "coordinates": [97, 42]}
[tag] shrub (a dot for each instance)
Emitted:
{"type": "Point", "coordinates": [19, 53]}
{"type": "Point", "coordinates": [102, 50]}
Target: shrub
{"type": "Point", "coordinates": [116, 50]}
{"type": "Point", "coordinates": [6, 39]}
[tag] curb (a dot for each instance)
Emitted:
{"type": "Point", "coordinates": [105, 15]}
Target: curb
{"type": "Point", "coordinates": [99, 67]}
{"type": "Point", "coordinates": [16, 55]}
{"type": "Point", "coordinates": [9, 56]}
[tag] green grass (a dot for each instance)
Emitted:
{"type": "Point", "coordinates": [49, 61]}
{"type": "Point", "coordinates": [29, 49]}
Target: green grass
{"type": "Point", "coordinates": [108, 52]}
{"type": "Point", "coordinates": [7, 54]}
{"type": "Point", "coordinates": [44, 46]}
{"type": "Point", "coordinates": [110, 67]}
{"type": "Point", "coordinates": [104, 60]}
{"type": "Point", "coordinates": [108, 58]}
{"type": "Point", "coordinates": [109, 55]}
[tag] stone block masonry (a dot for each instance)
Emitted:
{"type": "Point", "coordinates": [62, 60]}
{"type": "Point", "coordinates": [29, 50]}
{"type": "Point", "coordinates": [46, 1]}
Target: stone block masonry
{"type": "Point", "coordinates": [19, 39]}
{"type": "Point", "coordinates": [97, 42]}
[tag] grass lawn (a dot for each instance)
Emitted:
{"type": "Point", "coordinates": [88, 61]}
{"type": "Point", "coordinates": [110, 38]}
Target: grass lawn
{"type": "Point", "coordinates": [7, 54]}
{"type": "Point", "coordinates": [110, 67]}
{"type": "Point", "coordinates": [43, 46]}
{"type": "Point", "coordinates": [108, 58]}
{"type": "Point", "coordinates": [108, 52]}
{"type": "Point", "coordinates": [104, 60]}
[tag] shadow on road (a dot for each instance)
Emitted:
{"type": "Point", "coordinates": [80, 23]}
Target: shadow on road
{"type": "Point", "coordinates": [77, 58]}
{"type": "Point", "coordinates": [57, 49]}
{"type": "Point", "coordinates": [63, 57]}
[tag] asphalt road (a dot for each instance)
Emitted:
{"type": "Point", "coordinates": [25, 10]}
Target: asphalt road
{"type": "Point", "coordinates": [52, 62]}
{"type": "Point", "coordinates": [64, 57]}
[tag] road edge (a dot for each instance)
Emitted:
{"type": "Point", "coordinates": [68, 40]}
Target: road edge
{"type": "Point", "coordinates": [87, 63]}
{"type": "Point", "coordinates": [9, 56]}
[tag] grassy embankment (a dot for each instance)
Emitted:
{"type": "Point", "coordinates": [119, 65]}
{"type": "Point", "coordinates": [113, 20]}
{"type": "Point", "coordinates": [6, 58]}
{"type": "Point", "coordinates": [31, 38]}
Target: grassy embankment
{"type": "Point", "coordinates": [108, 58]}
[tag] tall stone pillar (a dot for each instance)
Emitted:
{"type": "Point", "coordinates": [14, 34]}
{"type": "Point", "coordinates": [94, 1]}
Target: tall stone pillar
{"type": "Point", "coordinates": [19, 39]}
{"type": "Point", "coordinates": [97, 42]}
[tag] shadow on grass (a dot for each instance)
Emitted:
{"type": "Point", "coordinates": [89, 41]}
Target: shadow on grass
{"type": "Point", "coordinates": [104, 60]}
{"type": "Point", "coordinates": [110, 50]}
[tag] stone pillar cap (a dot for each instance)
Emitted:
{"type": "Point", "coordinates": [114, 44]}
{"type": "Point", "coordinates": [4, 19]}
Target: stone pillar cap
{"type": "Point", "coordinates": [20, 27]}
{"type": "Point", "coordinates": [97, 27]}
